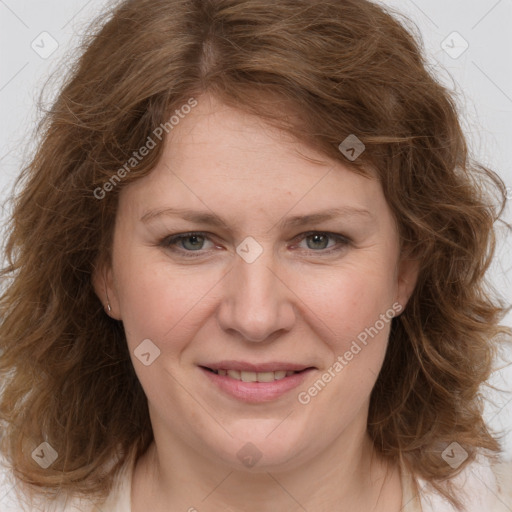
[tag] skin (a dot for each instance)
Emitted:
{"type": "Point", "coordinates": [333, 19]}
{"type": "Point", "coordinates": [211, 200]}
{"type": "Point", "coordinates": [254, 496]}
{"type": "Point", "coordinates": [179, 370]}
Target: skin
{"type": "Point", "coordinates": [294, 303]}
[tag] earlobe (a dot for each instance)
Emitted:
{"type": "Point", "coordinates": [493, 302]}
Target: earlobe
{"type": "Point", "coordinates": [108, 306]}
{"type": "Point", "coordinates": [102, 281]}
{"type": "Point", "coordinates": [407, 277]}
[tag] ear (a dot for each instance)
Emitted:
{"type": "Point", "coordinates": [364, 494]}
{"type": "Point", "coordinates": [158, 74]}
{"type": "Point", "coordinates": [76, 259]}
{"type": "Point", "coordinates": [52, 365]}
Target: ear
{"type": "Point", "coordinates": [407, 276]}
{"type": "Point", "coordinates": [104, 287]}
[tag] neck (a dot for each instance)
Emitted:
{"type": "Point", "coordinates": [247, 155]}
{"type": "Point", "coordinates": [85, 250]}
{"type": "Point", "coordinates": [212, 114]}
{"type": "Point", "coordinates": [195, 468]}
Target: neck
{"type": "Point", "coordinates": [349, 475]}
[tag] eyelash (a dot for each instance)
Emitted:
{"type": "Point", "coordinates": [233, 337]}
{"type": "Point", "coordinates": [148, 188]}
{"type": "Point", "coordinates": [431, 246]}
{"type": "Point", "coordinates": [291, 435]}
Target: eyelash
{"type": "Point", "coordinates": [169, 242]}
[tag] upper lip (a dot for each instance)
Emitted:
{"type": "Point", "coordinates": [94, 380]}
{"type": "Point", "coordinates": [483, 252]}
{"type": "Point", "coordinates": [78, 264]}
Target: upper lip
{"type": "Point", "coordinates": [244, 366]}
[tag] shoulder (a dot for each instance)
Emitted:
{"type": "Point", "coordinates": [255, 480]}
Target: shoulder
{"type": "Point", "coordinates": [481, 485]}
{"type": "Point", "coordinates": [503, 473]}
{"type": "Point", "coordinates": [118, 499]}
{"type": "Point", "coordinates": [8, 498]}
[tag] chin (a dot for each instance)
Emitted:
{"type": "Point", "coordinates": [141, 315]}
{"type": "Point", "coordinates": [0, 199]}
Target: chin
{"type": "Point", "coordinates": [249, 450]}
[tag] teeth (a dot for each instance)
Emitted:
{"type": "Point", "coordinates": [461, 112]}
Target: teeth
{"type": "Point", "coordinates": [264, 376]}
{"type": "Point", "coordinates": [248, 376]}
{"type": "Point", "coordinates": [255, 376]}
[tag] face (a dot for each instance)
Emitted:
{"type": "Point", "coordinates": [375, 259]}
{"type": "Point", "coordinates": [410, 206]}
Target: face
{"type": "Point", "coordinates": [302, 274]}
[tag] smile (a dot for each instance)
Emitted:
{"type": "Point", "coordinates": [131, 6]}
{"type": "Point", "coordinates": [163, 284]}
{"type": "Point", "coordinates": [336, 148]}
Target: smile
{"type": "Point", "coordinates": [246, 376]}
{"type": "Point", "coordinates": [254, 386]}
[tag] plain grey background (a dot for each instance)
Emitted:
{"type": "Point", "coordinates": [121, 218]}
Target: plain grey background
{"type": "Point", "coordinates": [468, 43]}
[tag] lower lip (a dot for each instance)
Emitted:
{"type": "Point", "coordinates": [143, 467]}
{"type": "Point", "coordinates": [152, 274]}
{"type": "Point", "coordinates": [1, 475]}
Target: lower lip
{"type": "Point", "coordinates": [255, 392]}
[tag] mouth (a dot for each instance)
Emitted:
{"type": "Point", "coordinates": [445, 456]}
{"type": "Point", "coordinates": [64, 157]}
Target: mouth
{"type": "Point", "coordinates": [248, 376]}
{"type": "Point", "coordinates": [255, 383]}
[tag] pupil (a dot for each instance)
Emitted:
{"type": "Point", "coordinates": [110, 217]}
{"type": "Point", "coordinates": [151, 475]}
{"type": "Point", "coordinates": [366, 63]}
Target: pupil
{"type": "Point", "coordinates": [317, 237]}
{"type": "Point", "coordinates": [195, 240]}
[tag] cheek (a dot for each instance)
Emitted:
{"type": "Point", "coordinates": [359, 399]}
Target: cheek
{"type": "Point", "coordinates": [348, 299]}
{"type": "Point", "coordinates": [160, 301]}
{"type": "Point", "coordinates": [352, 317]}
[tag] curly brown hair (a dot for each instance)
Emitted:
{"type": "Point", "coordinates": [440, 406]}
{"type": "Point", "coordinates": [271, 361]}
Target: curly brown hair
{"type": "Point", "coordinates": [321, 70]}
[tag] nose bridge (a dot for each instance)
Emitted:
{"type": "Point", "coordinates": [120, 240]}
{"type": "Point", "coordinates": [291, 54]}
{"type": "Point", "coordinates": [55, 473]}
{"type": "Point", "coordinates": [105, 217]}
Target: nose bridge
{"type": "Point", "coordinates": [256, 303]}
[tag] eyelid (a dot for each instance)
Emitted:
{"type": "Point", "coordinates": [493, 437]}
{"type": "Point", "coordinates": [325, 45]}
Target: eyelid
{"type": "Point", "coordinates": [320, 232]}
{"type": "Point", "coordinates": [168, 242]}
{"type": "Point", "coordinates": [342, 242]}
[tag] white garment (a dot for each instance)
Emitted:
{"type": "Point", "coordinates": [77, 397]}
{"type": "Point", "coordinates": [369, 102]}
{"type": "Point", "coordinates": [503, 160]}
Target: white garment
{"type": "Point", "coordinates": [483, 489]}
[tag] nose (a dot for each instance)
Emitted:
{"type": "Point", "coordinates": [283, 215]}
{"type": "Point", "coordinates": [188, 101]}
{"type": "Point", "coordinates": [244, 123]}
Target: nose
{"type": "Point", "coordinates": [257, 302]}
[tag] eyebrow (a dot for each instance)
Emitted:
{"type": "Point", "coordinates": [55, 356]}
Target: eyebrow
{"type": "Point", "coordinates": [214, 220]}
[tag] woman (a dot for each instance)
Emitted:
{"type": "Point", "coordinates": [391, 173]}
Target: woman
{"type": "Point", "coordinates": [247, 272]}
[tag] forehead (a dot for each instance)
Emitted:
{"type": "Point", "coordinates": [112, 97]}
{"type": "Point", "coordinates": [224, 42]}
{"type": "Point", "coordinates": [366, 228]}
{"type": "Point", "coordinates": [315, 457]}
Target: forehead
{"type": "Point", "coordinates": [219, 157]}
